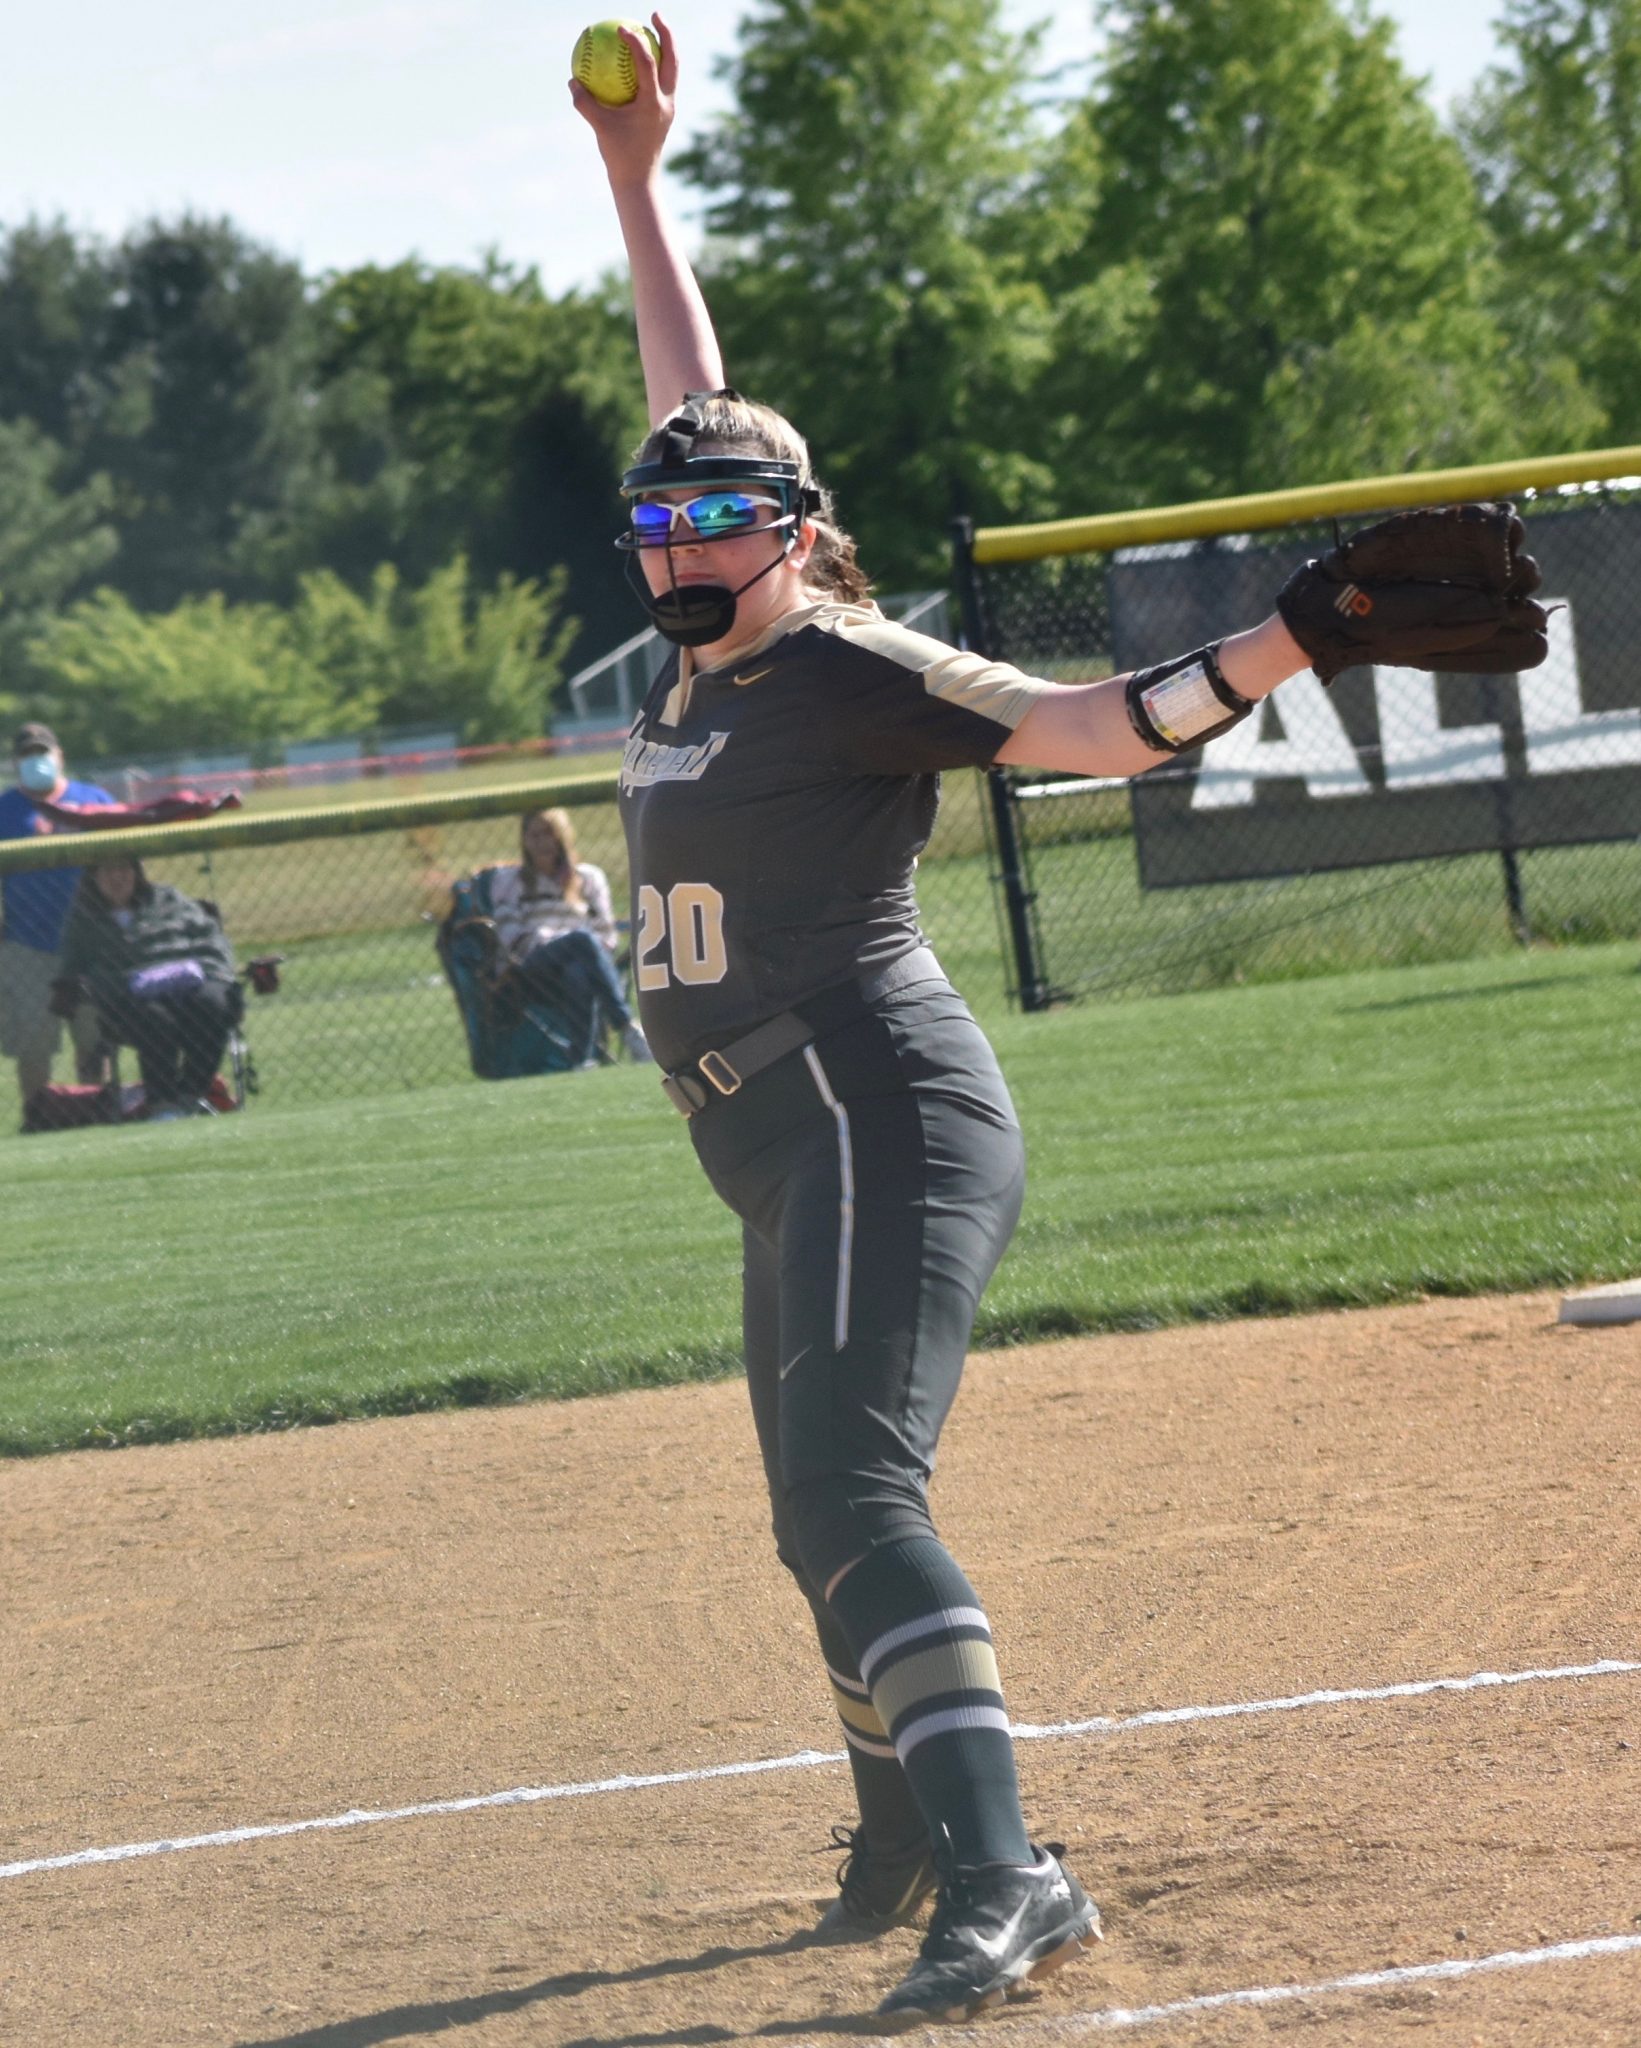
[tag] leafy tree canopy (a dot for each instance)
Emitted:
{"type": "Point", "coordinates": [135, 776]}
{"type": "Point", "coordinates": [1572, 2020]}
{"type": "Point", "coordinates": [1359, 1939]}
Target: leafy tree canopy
{"type": "Point", "coordinates": [1249, 255]}
{"type": "Point", "coordinates": [254, 427]}
{"type": "Point", "coordinates": [1553, 136]}
{"type": "Point", "coordinates": [466, 410]}
{"type": "Point", "coordinates": [176, 363]}
{"type": "Point", "coordinates": [211, 675]}
{"type": "Point", "coordinates": [1301, 255]}
{"type": "Point", "coordinates": [52, 541]}
{"type": "Point", "coordinates": [876, 273]}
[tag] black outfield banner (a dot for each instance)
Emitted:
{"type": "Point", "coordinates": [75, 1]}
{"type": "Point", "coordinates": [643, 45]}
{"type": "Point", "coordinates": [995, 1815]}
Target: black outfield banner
{"type": "Point", "coordinates": [1393, 764]}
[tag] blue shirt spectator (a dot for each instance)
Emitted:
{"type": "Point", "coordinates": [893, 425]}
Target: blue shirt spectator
{"type": "Point", "coordinates": [34, 906]}
{"type": "Point", "coordinates": [34, 909]}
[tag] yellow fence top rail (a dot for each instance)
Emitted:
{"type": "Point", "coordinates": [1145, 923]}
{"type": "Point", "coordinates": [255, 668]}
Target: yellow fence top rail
{"type": "Point", "coordinates": [268, 828]}
{"type": "Point", "coordinates": [1312, 501]}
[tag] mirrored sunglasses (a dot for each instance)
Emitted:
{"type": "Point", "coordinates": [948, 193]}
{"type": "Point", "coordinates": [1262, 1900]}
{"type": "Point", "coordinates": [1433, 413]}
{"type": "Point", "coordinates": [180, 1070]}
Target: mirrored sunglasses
{"type": "Point", "coordinates": [715, 515]}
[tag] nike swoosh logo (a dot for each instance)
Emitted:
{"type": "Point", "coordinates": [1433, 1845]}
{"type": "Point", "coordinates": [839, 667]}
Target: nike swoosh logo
{"type": "Point", "coordinates": [792, 1361]}
{"type": "Point", "coordinates": [993, 1949]}
{"type": "Point", "coordinates": [757, 675]}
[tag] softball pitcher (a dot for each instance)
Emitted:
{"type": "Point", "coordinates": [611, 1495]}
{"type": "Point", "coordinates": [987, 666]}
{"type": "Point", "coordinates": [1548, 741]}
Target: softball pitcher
{"type": "Point", "coordinates": [776, 790]}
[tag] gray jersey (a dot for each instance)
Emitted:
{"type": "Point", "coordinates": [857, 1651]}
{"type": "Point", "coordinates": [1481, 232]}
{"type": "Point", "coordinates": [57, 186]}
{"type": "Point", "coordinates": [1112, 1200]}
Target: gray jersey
{"type": "Point", "coordinates": [775, 809]}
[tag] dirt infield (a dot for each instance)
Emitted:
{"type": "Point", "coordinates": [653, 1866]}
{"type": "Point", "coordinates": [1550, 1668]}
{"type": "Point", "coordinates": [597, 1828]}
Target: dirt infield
{"type": "Point", "coordinates": [234, 1635]}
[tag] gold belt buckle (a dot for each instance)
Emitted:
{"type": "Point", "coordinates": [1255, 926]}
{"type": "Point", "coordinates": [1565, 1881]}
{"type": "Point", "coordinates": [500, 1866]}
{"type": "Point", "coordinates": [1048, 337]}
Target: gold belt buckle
{"type": "Point", "coordinates": [719, 1072]}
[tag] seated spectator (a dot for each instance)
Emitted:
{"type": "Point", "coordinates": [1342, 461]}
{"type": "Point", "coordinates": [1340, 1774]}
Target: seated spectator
{"type": "Point", "coordinates": [160, 972]}
{"type": "Point", "coordinates": [556, 928]}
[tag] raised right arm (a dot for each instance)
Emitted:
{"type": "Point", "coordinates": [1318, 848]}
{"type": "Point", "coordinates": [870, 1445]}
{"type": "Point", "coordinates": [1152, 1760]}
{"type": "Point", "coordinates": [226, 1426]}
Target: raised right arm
{"type": "Point", "coordinates": [676, 344]}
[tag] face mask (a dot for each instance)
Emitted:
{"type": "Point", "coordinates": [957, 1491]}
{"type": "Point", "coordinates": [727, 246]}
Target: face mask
{"type": "Point", "coordinates": [727, 502]}
{"type": "Point", "coordinates": [695, 614]}
{"type": "Point", "coordinates": [37, 773]}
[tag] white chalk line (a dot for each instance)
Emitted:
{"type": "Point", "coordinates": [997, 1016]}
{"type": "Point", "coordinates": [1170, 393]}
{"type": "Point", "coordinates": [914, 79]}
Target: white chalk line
{"type": "Point", "coordinates": [1163, 1717]}
{"type": "Point", "coordinates": [805, 1760]}
{"type": "Point", "coordinates": [1112, 2019]}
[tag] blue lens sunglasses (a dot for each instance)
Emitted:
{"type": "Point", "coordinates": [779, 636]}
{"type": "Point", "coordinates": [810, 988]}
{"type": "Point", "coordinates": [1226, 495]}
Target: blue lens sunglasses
{"type": "Point", "coordinates": [714, 515]}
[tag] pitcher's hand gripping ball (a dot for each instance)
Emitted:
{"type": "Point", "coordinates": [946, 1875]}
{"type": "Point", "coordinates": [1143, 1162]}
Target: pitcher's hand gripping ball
{"type": "Point", "coordinates": [1448, 587]}
{"type": "Point", "coordinates": [604, 64]}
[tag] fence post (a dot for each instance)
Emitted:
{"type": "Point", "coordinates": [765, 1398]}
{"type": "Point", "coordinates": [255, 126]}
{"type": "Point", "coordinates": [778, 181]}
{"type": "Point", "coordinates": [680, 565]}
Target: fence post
{"type": "Point", "coordinates": [1515, 896]}
{"type": "Point", "coordinates": [1017, 893]}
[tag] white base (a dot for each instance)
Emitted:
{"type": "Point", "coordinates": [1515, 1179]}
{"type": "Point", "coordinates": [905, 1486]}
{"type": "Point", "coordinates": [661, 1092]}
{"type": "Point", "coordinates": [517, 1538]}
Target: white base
{"type": "Point", "coordinates": [1618, 1302]}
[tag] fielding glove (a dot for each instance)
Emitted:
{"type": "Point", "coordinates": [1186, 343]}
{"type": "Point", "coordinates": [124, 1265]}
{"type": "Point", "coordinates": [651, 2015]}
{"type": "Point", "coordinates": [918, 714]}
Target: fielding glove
{"type": "Point", "coordinates": [1447, 587]}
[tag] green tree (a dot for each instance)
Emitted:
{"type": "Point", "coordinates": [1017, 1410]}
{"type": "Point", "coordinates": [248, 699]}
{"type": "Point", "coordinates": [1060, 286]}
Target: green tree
{"type": "Point", "coordinates": [52, 541]}
{"type": "Point", "coordinates": [1553, 136]}
{"type": "Point", "coordinates": [178, 363]}
{"type": "Point", "coordinates": [213, 336]}
{"type": "Point", "coordinates": [204, 676]}
{"type": "Point", "coordinates": [256, 429]}
{"type": "Point", "coordinates": [465, 411]}
{"type": "Point", "coordinates": [487, 659]}
{"type": "Point", "coordinates": [1299, 266]}
{"type": "Point", "coordinates": [211, 675]}
{"type": "Point", "coordinates": [875, 273]}
{"type": "Point", "coordinates": [55, 296]}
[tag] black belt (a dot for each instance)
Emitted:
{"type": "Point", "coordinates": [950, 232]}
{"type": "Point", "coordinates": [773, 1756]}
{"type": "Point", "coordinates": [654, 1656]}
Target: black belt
{"type": "Point", "coordinates": [727, 1070]}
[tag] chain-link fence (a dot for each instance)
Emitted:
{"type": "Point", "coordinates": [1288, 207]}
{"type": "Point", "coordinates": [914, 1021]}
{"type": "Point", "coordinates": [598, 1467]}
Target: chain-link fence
{"type": "Point", "coordinates": [354, 901]}
{"type": "Point", "coordinates": [1398, 817]}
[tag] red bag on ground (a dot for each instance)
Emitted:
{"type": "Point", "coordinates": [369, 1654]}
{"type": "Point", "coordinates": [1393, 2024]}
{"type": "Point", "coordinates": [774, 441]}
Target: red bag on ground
{"type": "Point", "coordinates": [68, 1105]}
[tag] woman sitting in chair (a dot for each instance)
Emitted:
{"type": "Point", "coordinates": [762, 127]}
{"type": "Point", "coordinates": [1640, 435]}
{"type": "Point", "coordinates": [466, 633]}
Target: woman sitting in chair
{"type": "Point", "coordinates": [160, 971]}
{"type": "Point", "coordinates": [556, 928]}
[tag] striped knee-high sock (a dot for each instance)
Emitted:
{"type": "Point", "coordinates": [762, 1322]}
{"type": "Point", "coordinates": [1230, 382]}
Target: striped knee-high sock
{"type": "Point", "coordinates": [889, 1813]}
{"type": "Point", "coordinates": [923, 1647]}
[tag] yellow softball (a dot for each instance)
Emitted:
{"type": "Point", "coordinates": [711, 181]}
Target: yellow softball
{"type": "Point", "coordinates": [603, 63]}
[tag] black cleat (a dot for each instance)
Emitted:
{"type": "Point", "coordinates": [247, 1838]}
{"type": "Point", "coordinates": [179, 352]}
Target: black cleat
{"type": "Point", "coordinates": [877, 1888]}
{"type": "Point", "coordinates": [994, 1928]}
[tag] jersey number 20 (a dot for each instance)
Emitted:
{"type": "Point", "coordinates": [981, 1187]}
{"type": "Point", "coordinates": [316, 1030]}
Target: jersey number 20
{"type": "Point", "coordinates": [688, 922]}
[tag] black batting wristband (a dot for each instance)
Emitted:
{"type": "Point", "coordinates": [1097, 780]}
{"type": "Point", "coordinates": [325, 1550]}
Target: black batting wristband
{"type": "Point", "coordinates": [1183, 703]}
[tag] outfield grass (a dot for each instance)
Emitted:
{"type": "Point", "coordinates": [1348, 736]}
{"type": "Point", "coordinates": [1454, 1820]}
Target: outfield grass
{"type": "Point", "coordinates": [1365, 1138]}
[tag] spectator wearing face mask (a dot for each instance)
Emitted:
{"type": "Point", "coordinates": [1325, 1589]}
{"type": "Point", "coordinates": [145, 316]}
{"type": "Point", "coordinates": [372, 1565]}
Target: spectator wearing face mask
{"type": "Point", "coordinates": [34, 909]}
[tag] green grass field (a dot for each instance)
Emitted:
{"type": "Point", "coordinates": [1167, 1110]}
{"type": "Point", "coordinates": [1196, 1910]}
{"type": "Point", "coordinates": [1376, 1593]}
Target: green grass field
{"type": "Point", "coordinates": [1367, 1137]}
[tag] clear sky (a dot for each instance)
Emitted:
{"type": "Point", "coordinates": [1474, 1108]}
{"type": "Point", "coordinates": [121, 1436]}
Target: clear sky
{"type": "Point", "coordinates": [355, 131]}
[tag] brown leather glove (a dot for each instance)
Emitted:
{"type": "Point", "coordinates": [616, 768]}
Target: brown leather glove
{"type": "Point", "coordinates": [1446, 587]}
